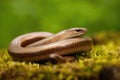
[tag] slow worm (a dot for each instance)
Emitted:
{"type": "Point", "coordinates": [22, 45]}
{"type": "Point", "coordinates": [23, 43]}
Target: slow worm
{"type": "Point", "coordinates": [38, 46]}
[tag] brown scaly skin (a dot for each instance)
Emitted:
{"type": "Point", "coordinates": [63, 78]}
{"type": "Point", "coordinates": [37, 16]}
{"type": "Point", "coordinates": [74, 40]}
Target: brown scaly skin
{"type": "Point", "coordinates": [30, 47]}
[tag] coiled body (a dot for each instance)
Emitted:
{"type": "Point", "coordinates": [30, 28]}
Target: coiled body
{"type": "Point", "coordinates": [39, 46]}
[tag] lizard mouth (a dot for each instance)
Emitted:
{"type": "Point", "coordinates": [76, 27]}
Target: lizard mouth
{"type": "Point", "coordinates": [78, 36]}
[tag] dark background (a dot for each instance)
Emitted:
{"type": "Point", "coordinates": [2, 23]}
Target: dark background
{"type": "Point", "coordinates": [22, 16]}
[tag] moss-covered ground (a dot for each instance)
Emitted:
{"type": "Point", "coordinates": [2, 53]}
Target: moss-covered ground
{"type": "Point", "coordinates": [101, 63]}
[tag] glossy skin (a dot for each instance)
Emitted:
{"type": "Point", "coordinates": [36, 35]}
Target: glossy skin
{"type": "Point", "coordinates": [40, 46]}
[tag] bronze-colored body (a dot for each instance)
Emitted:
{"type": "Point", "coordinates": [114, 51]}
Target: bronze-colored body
{"type": "Point", "coordinates": [39, 46]}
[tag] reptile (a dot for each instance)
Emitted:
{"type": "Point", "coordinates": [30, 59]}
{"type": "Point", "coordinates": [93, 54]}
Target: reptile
{"type": "Point", "coordinates": [38, 46]}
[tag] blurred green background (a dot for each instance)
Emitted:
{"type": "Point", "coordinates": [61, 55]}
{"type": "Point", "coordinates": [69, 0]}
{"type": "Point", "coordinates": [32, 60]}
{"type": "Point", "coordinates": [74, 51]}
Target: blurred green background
{"type": "Point", "coordinates": [22, 16]}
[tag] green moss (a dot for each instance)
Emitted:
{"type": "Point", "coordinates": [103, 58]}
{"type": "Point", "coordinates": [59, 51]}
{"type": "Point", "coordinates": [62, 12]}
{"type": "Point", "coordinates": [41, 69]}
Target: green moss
{"type": "Point", "coordinates": [85, 68]}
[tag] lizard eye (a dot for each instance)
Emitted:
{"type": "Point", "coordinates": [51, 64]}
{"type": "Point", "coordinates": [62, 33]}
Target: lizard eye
{"type": "Point", "coordinates": [78, 30]}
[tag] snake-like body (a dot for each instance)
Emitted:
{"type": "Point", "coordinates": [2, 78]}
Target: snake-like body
{"type": "Point", "coordinates": [38, 46]}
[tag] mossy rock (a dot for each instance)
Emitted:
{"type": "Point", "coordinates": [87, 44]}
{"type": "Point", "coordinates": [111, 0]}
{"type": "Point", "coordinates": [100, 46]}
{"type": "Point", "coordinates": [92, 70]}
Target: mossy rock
{"type": "Point", "coordinates": [101, 63]}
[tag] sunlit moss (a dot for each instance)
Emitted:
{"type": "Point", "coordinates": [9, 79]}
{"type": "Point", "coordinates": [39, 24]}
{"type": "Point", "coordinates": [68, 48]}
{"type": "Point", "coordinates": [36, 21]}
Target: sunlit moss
{"type": "Point", "coordinates": [85, 68]}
